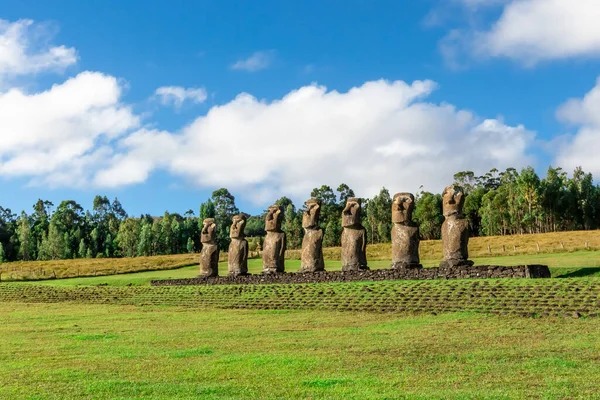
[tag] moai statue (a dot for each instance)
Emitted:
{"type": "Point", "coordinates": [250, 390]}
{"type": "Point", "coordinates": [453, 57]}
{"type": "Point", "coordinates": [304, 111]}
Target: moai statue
{"type": "Point", "coordinates": [354, 238]}
{"type": "Point", "coordinates": [405, 233]}
{"type": "Point", "coordinates": [274, 245]}
{"type": "Point", "coordinates": [455, 229]}
{"type": "Point", "coordinates": [312, 244]}
{"type": "Point", "coordinates": [238, 248]}
{"type": "Point", "coordinates": [209, 257]}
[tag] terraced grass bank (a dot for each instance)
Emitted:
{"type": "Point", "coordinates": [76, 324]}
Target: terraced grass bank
{"type": "Point", "coordinates": [543, 297]}
{"type": "Point", "coordinates": [480, 272]}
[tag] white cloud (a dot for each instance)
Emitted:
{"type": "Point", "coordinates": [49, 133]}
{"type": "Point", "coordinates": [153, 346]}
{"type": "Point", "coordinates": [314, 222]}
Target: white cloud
{"type": "Point", "coordinates": [582, 149]}
{"type": "Point", "coordinates": [582, 111]}
{"type": "Point", "coordinates": [382, 133]}
{"type": "Point", "coordinates": [257, 61]}
{"type": "Point", "coordinates": [24, 50]}
{"type": "Point", "coordinates": [532, 31]}
{"type": "Point", "coordinates": [142, 152]}
{"type": "Point", "coordinates": [379, 134]}
{"type": "Point", "coordinates": [58, 136]}
{"type": "Point", "coordinates": [61, 135]}
{"type": "Point", "coordinates": [177, 95]}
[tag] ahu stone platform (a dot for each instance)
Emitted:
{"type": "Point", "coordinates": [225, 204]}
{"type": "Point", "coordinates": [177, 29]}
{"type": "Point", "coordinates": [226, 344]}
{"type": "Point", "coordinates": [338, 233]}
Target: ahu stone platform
{"type": "Point", "coordinates": [477, 272]}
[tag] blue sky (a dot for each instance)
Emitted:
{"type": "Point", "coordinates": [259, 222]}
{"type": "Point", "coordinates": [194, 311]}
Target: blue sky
{"type": "Point", "coordinates": [161, 103]}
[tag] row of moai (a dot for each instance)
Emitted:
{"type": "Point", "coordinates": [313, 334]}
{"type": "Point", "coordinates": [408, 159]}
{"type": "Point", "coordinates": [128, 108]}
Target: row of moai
{"type": "Point", "coordinates": [405, 238]}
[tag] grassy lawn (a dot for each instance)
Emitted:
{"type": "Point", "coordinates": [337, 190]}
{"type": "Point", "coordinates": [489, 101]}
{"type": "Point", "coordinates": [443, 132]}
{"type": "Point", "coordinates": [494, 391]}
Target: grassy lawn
{"type": "Point", "coordinates": [57, 351]}
{"type": "Point", "coordinates": [575, 264]}
{"type": "Point", "coordinates": [180, 343]}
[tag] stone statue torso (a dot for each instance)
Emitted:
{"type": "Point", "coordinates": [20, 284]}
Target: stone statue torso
{"type": "Point", "coordinates": [405, 245]}
{"type": "Point", "coordinates": [238, 257]}
{"type": "Point", "coordinates": [455, 236]}
{"type": "Point", "coordinates": [209, 260]}
{"type": "Point", "coordinates": [312, 251]}
{"type": "Point", "coordinates": [354, 245]}
{"type": "Point", "coordinates": [274, 252]}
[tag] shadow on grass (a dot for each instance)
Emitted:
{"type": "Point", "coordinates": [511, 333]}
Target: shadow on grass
{"type": "Point", "coordinates": [581, 273]}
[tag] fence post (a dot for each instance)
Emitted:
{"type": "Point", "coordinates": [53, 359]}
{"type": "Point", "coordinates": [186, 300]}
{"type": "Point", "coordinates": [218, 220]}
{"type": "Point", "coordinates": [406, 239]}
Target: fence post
{"type": "Point", "coordinates": [489, 249]}
{"type": "Point", "coordinates": [538, 246]}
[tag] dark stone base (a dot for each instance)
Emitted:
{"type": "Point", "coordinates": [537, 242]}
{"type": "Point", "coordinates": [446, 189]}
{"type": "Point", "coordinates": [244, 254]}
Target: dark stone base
{"type": "Point", "coordinates": [456, 264]}
{"type": "Point", "coordinates": [234, 275]}
{"type": "Point", "coordinates": [209, 275]}
{"type": "Point", "coordinates": [537, 271]}
{"type": "Point", "coordinates": [403, 265]}
{"type": "Point", "coordinates": [270, 272]}
{"type": "Point", "coordinates": [477, 272]}
{"type": "Point", "coordinates": [354, 268]}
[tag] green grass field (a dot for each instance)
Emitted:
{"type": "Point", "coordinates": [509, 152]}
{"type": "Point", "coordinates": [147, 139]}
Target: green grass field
{"type": "Point", "coordinates": [58, 351]}
{"type": "Point", "coordinates": [321, 341]}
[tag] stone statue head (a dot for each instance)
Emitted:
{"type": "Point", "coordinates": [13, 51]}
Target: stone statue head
{"type": "Point", "coordinates": [237, 227]}
{"type": "Point", "coordinates": [310, 218]}
{"type": "Point", "coordinates": [274, 218]}
{"type": "Point", "coordinates": [403, 206]}
{"type": "Point", "coordinates": [209, 231]}
{"type": "Point", "coordinates": [453, 200]}
{"type": "Point", "coordinates": [351, 213]}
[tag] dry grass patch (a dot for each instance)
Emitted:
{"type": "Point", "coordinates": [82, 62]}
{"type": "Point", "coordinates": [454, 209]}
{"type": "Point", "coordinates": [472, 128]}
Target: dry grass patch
{"type": "Point", "coordinates": [36, 270]}
{"type": "Point", "coordinates": [487, 246]}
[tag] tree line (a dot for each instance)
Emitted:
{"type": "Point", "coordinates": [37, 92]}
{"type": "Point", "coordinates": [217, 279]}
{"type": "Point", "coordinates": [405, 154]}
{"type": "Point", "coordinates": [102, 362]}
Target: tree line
{"type": "Point", "coordinates": [497, 203]}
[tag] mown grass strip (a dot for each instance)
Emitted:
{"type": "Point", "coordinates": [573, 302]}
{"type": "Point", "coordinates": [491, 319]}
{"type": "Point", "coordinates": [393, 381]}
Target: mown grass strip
{"type": "Point", "coordinates": [544, 297]}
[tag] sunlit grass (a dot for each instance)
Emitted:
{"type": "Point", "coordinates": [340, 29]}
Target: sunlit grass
{"type": "Point", "coordinates": [57, 351]}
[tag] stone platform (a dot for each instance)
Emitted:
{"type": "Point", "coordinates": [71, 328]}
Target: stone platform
{"type": "Point", "coordinates": [474, 272]}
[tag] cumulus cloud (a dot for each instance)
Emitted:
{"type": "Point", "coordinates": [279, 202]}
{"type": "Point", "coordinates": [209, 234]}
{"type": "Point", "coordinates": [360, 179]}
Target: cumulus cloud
{"type": "Point", "coordinates": [379, 134]}
{"type": "Point", "coordinates": [59, 136]}
{"type": "Point", "coordinates": [141, 153]}
{"type": "Point", "coordinates": [257, 61]}
{"type": "Point", "coordinates": [24, 49]}
{"type": "Point", "coordinates": [582, 148]}
{"type": "Point", "coordinates": [531, 31]}
{"type": "Point", "coordinates": [177, 95]}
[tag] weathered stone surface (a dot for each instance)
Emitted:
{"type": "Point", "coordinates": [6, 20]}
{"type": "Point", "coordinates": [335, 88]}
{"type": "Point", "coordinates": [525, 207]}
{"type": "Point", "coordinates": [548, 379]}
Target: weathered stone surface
{"type": "Point", "coordinates": [455, 229]}
{"type": "Point", "coordinates": [273, 255]}
{"type": "Point", "coordinates": [312, 244]}
{"type": "Point", "coordinates": [405, 246]}
{"type": "Point", "coordinates": [237, 263]}
{"type": "Point", "coordinates": [474, 272]}
{"type": "Point", "coordinates": [209, 256]}
{"type": "Point", "coordinates": [405, 233]}
{"type": "Point", "coordinates": [354, 238]}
